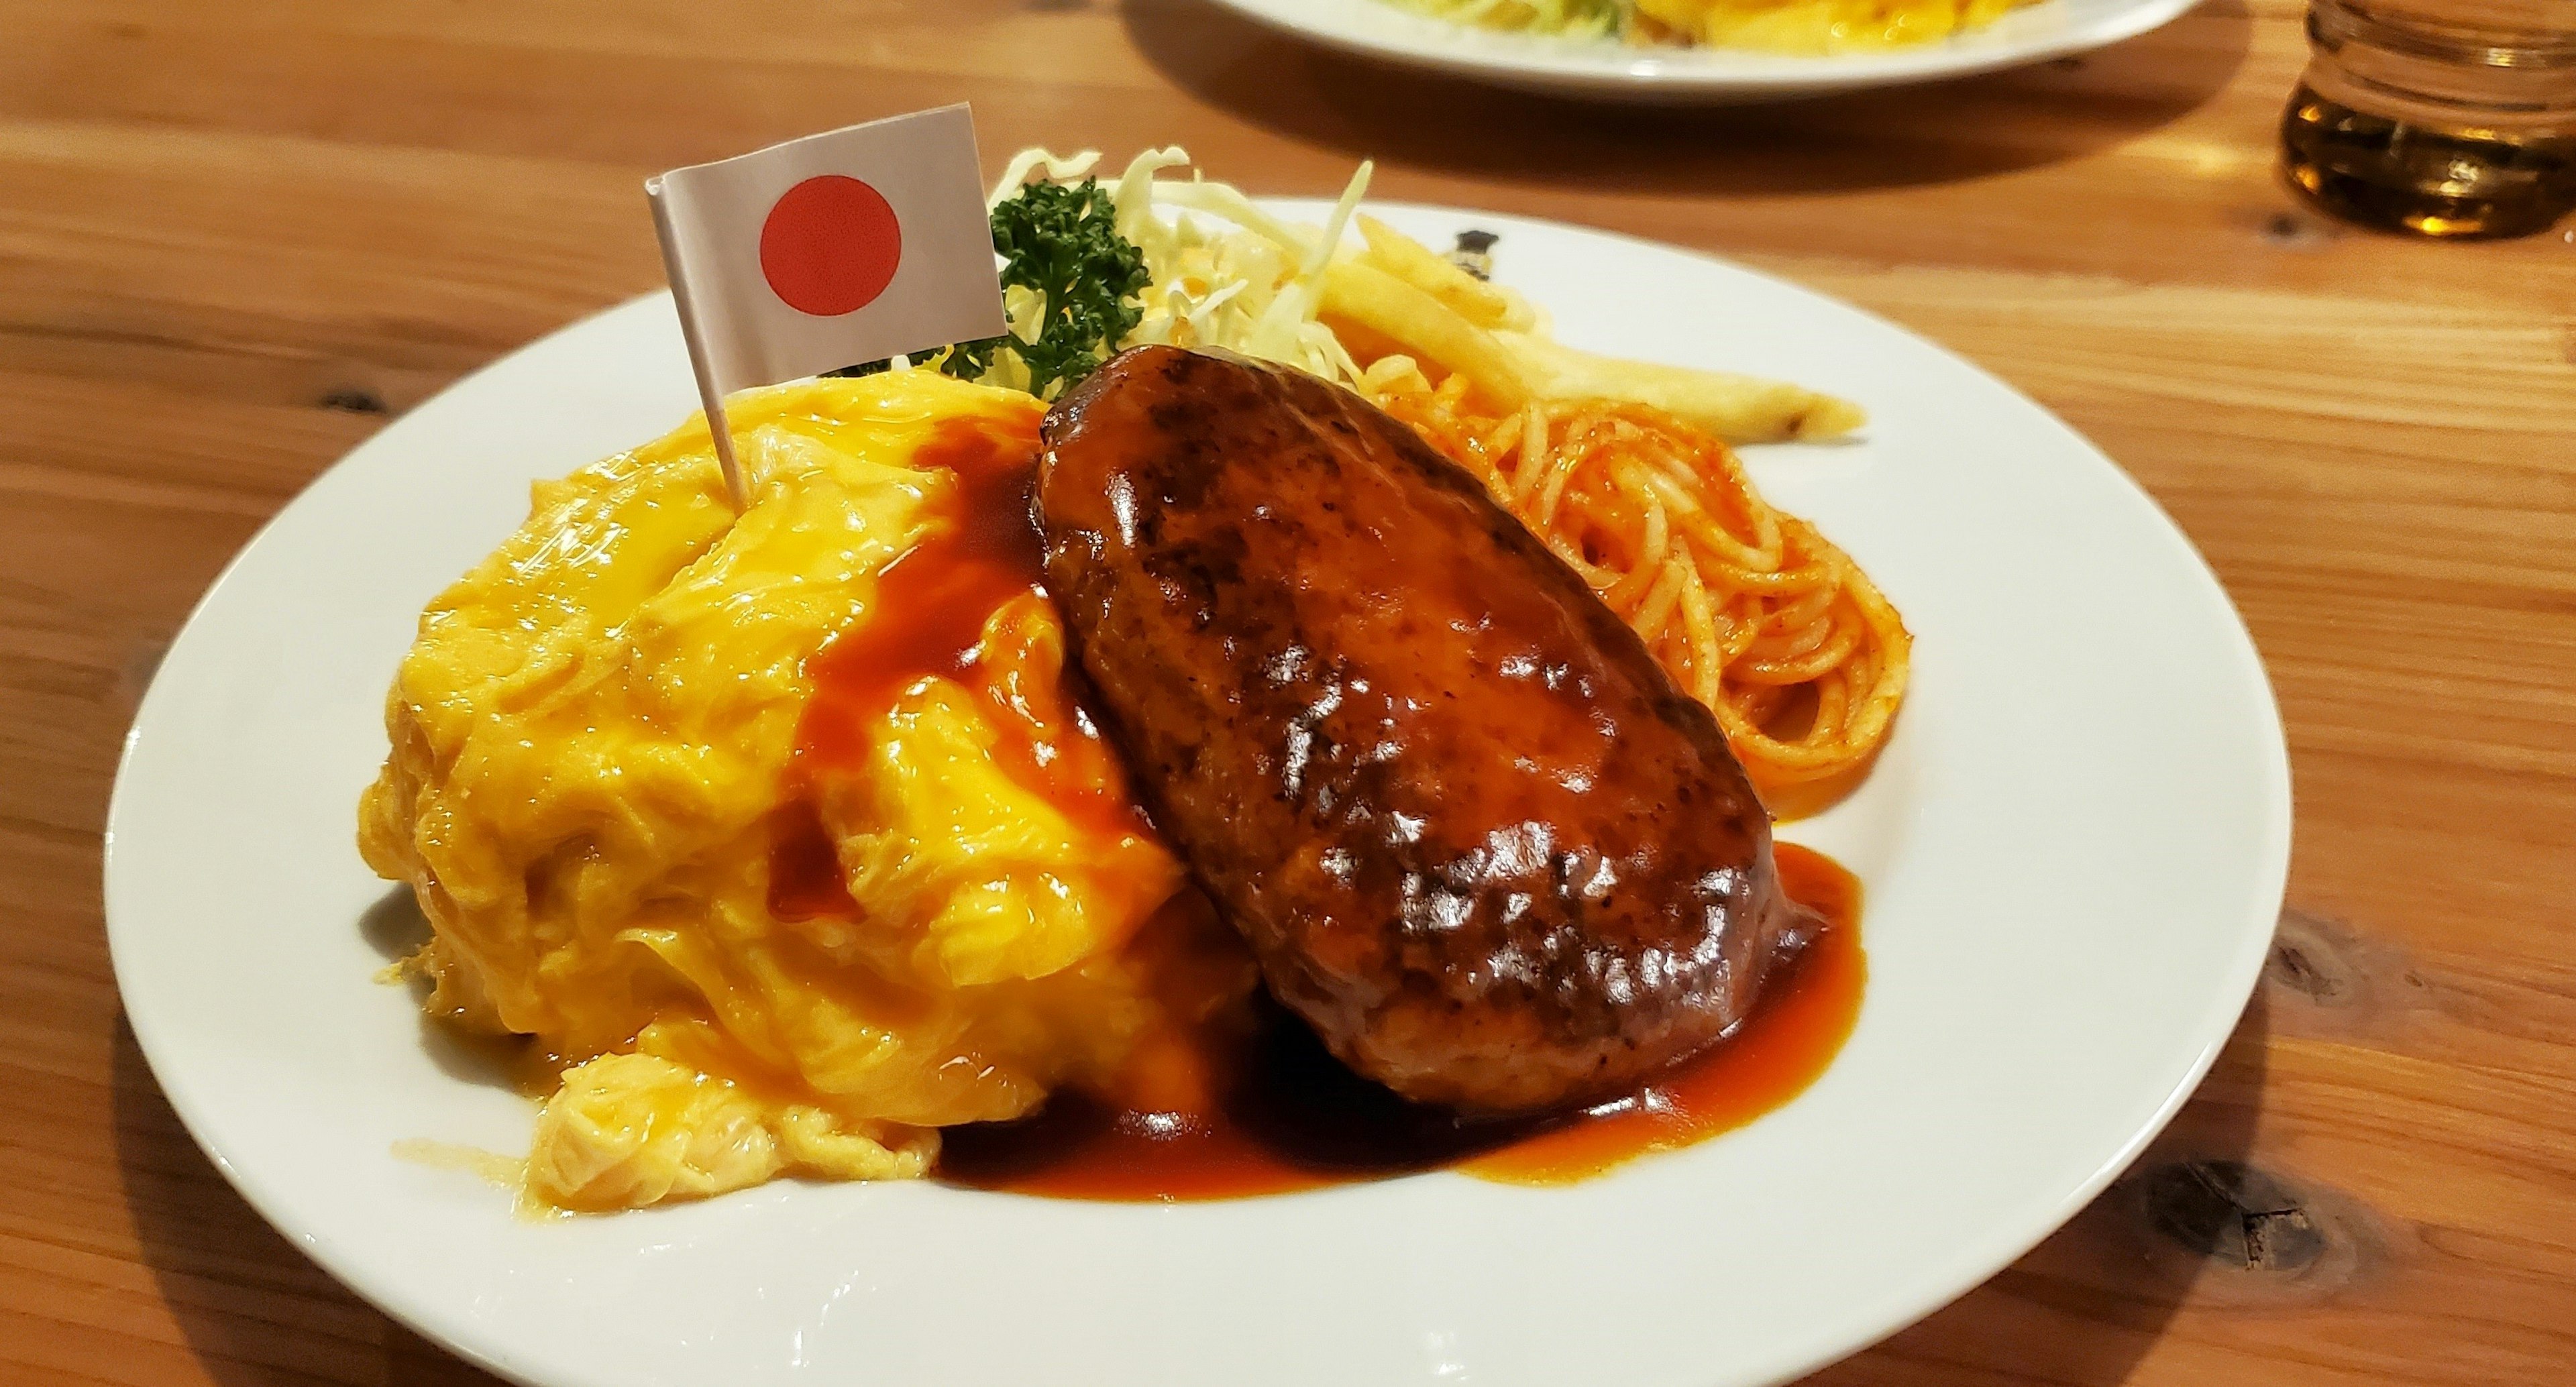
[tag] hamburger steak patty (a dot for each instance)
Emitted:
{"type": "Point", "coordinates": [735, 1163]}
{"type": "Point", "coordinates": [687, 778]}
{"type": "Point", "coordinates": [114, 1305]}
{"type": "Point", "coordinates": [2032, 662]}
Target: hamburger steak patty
{"type": "Point", "coordinates": [1475, 835]}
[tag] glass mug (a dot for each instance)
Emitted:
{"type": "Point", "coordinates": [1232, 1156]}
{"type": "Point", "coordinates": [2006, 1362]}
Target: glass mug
{"type": "Point", "coordinates": [2444, 117]}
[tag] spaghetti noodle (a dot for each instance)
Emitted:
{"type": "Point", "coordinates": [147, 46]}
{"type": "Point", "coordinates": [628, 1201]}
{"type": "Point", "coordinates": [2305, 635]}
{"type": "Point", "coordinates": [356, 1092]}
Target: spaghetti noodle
{"type": "Point", "coordinates": [1751, 610]}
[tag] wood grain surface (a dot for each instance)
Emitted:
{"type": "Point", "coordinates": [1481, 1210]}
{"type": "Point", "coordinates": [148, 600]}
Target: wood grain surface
{"type": "Point", "coordinates": [237, 238]}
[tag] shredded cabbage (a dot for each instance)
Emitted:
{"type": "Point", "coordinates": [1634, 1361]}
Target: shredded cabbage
{"type": "Point", "coordinates": [1224, 273]}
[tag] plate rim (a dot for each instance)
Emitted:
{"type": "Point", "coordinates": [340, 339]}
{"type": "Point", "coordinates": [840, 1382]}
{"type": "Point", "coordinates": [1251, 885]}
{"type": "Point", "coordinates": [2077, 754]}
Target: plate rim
{"type": "Point", "coordinates": [1971, 1266]}
{"type": "Point", "coordinates": [1534, 63]}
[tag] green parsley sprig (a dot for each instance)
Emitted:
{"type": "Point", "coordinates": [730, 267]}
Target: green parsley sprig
{"type": "Point", "coordinates": [1060, 241]}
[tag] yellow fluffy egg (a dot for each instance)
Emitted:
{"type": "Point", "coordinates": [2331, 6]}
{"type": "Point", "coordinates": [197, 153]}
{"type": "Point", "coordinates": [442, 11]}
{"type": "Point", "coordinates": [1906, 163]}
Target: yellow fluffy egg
{"type": "Point", "coordinates": [604, 769]}
{"type": "Point", "coordinates": [1822, 26]}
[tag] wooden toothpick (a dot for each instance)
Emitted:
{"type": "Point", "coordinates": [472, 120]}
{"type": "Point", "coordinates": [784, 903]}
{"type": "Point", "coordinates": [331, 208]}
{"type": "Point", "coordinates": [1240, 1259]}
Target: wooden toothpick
{"type": "Point", "coordinates": [711, 398]}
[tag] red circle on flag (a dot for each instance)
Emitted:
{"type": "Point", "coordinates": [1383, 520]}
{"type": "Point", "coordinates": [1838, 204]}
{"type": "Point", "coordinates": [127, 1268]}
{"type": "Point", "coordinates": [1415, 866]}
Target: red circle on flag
{"type": "Point", "coordinates": [830, 246]}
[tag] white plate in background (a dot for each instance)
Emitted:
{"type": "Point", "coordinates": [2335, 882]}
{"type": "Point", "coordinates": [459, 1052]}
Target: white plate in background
{"type": "Point", "coordinates": [2073, 852]}
{"type": "Point", "coordinates": [1608, 68]}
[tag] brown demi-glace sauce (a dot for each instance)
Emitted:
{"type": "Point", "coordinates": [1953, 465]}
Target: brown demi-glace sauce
{"type": "Point", "coordinates": [1249, 1102]}
{"type": "Point", "coordinates": [930, 617]}
{"type": "Point", "coordinates": [1280, 1114]}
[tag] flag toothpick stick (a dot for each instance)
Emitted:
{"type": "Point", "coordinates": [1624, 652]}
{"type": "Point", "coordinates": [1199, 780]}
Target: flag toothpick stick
{"type": "Point", "coordinates": [722, 432]}
{"type": "Point", "coordinates": [710, 395]}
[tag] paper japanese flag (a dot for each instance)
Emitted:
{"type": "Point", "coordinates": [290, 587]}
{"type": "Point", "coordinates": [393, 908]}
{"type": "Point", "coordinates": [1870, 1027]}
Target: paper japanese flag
{"type": "Point", "coordinates": [849, 246]}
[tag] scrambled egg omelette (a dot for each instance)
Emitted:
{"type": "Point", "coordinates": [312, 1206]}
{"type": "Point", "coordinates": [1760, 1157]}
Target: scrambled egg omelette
{"type": "Point", "coordinates": [1821, 26]}
{"type": "Point", "coordinates": [761, 923]}
{"type": "Point", "coordinates": [1776, 26]}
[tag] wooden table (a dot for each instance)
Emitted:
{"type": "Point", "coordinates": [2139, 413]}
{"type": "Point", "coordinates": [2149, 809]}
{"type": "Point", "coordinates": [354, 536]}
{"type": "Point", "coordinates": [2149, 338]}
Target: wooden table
{"type": "Point", "coordinates": [236, 239]}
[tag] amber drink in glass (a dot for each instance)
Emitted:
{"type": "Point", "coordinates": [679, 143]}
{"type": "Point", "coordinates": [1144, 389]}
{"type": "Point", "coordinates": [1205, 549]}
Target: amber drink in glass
{"type": "Point", "coordinates": [2442, 117]}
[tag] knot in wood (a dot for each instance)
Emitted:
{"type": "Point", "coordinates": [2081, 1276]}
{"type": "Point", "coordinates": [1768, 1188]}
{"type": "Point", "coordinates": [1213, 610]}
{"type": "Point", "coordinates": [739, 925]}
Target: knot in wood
{"type": "Point", "coordinates": [2335, 978]}
{"type": "Point", "coordinates": [2229, 1212]}
{"type": "Point", "coordinates": [354, 400]}
{"type": "Point", "coordinates": [2309, 965]}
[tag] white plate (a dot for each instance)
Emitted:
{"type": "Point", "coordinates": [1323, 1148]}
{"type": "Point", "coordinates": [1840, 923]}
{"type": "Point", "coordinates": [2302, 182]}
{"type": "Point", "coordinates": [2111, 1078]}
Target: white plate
{"type": "Point", "coordinates": [2073, 850]}
{"type": "Point", "coordinates": [1710, 76]}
